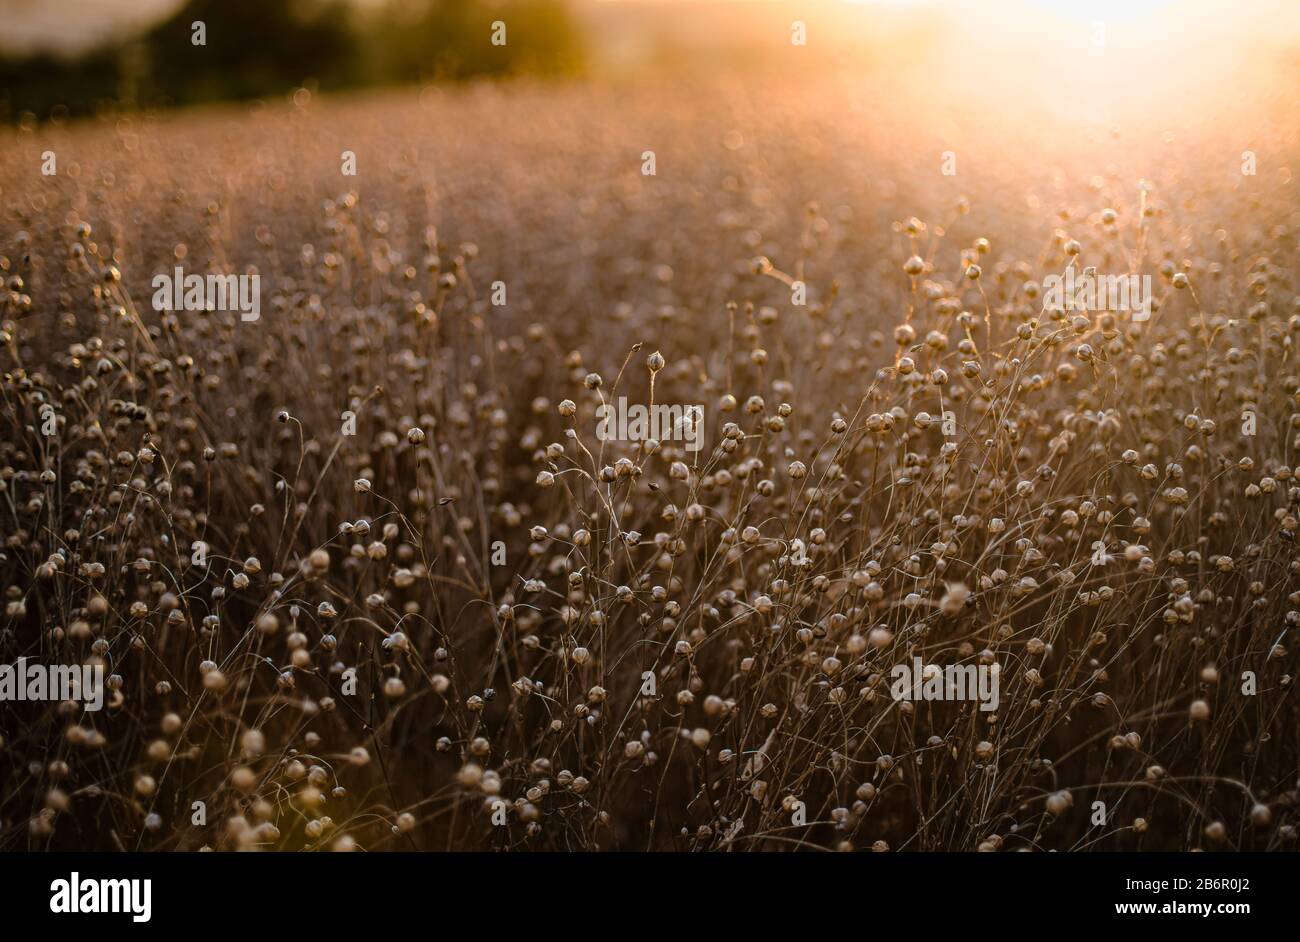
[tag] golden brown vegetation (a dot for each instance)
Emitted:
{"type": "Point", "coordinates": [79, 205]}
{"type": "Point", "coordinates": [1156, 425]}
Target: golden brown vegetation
{"type": "Point", "coordinates": [371, 555]}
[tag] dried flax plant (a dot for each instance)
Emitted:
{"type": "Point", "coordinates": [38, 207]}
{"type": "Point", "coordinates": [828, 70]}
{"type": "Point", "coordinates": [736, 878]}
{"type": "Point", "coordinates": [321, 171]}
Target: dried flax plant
{"type": "Point", "coordinates": [362, 576]}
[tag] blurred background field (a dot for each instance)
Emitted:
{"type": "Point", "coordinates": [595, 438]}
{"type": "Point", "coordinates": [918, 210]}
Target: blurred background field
{"type": "Point", "coordinates": [73, 57]}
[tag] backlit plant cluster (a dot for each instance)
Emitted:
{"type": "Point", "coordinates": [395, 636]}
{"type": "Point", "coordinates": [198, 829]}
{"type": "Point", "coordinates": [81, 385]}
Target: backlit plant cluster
{"type": "Point", "coordinates": [362, 575]}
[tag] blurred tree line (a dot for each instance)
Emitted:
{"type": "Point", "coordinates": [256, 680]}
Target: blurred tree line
{"type": "Point", "coordinates": [258, 48]}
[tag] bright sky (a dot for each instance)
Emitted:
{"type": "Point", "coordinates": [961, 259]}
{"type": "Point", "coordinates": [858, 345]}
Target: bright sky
{"type": "Point", "coordinates": [1146, 28]}
{"type": "Point", "coordinates": [72, 24]}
